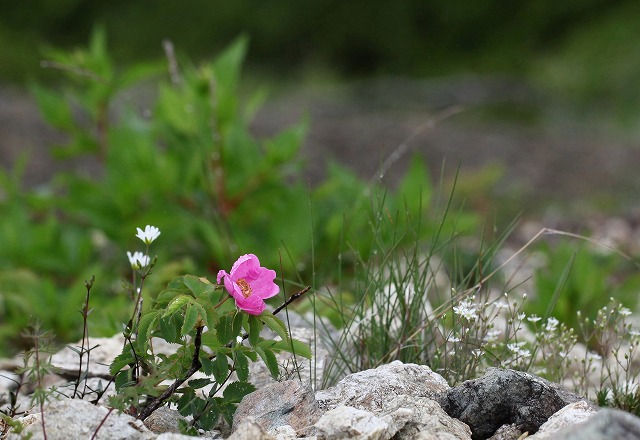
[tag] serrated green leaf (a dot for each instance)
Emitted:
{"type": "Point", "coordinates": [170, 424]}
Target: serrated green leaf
{"type": "Point", "coordinates": [255, 327]}
{"type": "Point", "coordinates": [293, 346]}
{"type": "Point", "coordinates": [167, 295]}
{"type": "Point", "coordinates": [224, 329]}
{"type": "Point", "coordinates": [275, 324]}
{"type": "Point", "coordinates": [122, 360]}
{"type": "Point", "coordinates": [207, 364]}
{"type": "Point", "coordinates": [198, 286]}
{"type": "Point", "coordinates": [145, 328]}
{"type": "Point", "coordinates": [220, 367]}
{"type": "Point", "coordinates": [270, 361]}
{"type": "Point", "coordinates": [199, 383]}
{"type": "Point", "coordinates": [237, 390]}
{"type": "Point", "coordinates": [169, 329]}
{"type": "Point", "coordinates": [176, 304]}
{"type": "Point", "coordinates": [242, 366]}
{"type": "Point", "coordinates": [190, 319]}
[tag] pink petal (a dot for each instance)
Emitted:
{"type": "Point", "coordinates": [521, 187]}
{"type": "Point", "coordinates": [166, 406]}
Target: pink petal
{"type": "Point", "coordinates": [252, 305]}
{"type": "Point", "coordinates": [244, 266]}
{"type": "Point", "coordinates": [264, 286]}
{"type": "Point", "coordinates": [221, 274]}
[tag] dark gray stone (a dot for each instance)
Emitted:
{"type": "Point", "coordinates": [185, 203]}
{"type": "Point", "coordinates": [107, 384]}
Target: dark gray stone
{"type": "Point", "coordinates": [606, 424]}
{"type": "Point", "coordinates": [504, 397]}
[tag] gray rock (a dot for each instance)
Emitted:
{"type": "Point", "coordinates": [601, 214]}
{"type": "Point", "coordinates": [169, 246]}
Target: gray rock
{"type": "Point", "coordinates": [570, 415]}
{"type": "Point", "coordinates": [308, 371]}
{"type": "Point", "coordinates": [507, 432]}
{"type": "Point", "coordinates": [163, 420]}
{"type": "Point", "coordinates": [606, 424]}
{"type": "Point", "coordinates": [345, 422]}
{"type": "Point", "coordinates": [370, 389]}
{"type": "Point", "coordinates": [427, 419]}
{"type": "Point", "coordinates": [250, 429]}
{"type": "Point", "coordinates": [504, 397]}
{"type": "Point", "coordinates": [285, 403]}
{"type": "Point", "coordinates": [79, 419]}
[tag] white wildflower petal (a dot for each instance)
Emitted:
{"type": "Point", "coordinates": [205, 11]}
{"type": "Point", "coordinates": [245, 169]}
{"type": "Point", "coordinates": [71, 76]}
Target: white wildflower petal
{"type": "Point", "coordinates": [138, 260]}
{"type": "Point", "coordinates": [534, 318]}
{"type": "Point", "coordinates": [501, 304]}
{"type": "Point", "coordinates": [149, 234]}
{"type": "Point", "coordinates": [625, 311]}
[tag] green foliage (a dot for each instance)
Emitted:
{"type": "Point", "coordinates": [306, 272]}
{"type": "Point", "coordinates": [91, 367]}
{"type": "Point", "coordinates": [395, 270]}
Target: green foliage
{"type": "Point", "coordinates": [580, 277]}
{"type": "Point", "coordinates": [188, 164]}
{"type": "Point", "coordinates": [178, 316]}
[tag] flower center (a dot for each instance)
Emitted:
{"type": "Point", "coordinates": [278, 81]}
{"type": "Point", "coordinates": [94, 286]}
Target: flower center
{"type": "Point", "coordinates": [245, 287]}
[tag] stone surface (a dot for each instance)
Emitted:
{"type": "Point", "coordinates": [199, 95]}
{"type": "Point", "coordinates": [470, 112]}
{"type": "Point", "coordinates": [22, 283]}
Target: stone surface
{"type": "Point", "coordinates": [606, 424]}
{"type": "Point", "coordinates": [428, 418]}
{"type": "Point", "coordinates": [369, 389]}
{"type": "Point", "coordinates": [79, 419]}
{"type": "Point", "coordinates": [507, 432]}
{"type": "Point", "coordinates": [250, 429]}
{"type": "Point", "coordinates": [345, 422]}
{"type": "Point", "coordinates": [284, 403]}
{"type": "Point", "coordinates": [570, 415]}
{"type": "Point", "coordinates": [311, 371]}
{"type": "Point", "coordinates": [163, 420]}
{"type": "Point", "coordinates": [504, 397]}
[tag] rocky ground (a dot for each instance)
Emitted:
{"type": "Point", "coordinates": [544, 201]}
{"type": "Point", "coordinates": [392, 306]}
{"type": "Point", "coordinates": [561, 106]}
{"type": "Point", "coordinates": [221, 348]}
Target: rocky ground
{"type": "Point", "coordinates": [394, 401]}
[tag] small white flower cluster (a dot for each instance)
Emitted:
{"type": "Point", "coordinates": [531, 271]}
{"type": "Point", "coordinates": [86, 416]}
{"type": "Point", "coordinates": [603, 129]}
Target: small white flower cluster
{"type": "Point", "coordinates": [518, 351]}
{"type": "Point", "coordinates": [467, 310]}
{"type": "Point", "coordinates": [139, 260]}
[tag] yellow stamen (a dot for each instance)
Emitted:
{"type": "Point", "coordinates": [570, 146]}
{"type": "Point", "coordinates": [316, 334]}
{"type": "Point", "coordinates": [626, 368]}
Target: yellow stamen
{"type": "Point", "coordinates": [245, 287]}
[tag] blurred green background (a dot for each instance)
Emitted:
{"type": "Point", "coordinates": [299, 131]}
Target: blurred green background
{"type": "Point", "coordinates": [536, 102]}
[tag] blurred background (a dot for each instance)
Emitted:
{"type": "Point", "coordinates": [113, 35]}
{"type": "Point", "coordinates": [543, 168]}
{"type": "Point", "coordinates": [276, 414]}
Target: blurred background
{"type": "Point", "coordinates": [539, 101]}
{"type": "Point", "coordinates": [532, 108]}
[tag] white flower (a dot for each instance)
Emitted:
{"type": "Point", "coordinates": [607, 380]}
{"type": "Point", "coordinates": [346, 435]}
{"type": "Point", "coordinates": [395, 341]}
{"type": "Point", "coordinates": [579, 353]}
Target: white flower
{"type": "Point", "coordinates": [534, 318]}
{"type": "Point", "coordinates": [467, 310]}
{"type": "Point", "coordinates": [517, 350]}
{"type": "Point", "coordinates": [552, 325]}
{"type": "Point", "coordinates": [521, 316]}
{"type": "Point", "coordinates": [492, 335]}
{"type": "Point", "coordinates": [625, 311]}
{"type": "Point", "coordinates": [138, 260]}
{"type": "Point", "coordinates": [149, 234]}
{"type": "Point", "coordinates": [500, 304]}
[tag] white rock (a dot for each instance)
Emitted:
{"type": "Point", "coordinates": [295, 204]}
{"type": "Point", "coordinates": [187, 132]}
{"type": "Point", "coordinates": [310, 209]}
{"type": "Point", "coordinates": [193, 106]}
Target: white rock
{"type": "Point", "coordinates": [78, 419]}
{"type": "Point", "coordinates": [571, 414]}
{"type": "Point", "coordinates": [369, 389]}
{"type": "Point", "coordinates": [347, 422]}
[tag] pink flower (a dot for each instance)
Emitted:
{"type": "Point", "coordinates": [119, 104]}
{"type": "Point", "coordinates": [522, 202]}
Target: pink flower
{"type": "Point", "coordinates": [249, 284]}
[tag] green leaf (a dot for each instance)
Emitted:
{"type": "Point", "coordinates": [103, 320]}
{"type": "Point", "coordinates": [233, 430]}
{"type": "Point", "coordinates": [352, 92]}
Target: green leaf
{"type": "Point", "coordinates": [207, 364]}
{"type": "Point", "coordinates": [199, 286]}
{"type": "Point", "coordinates": [145, 328]}
{"type": "Point", "coordinates": [270, 361]}
{"type": "Point", "coordinates": [169, 329]}
{"type": "Point", "coordinates": [176, 304]}
{"type": "Point", "coordinates": [220, 367]}
{"type": "Point", "coordinates": [293, 346]}
{"type": "Point", "coordinates": [242, 366]}
{"type": "Point", "coordinates": [275, 324]}
{"type": "Point", "coordinates": [237, 390]}
{"type": "Point", "coordinates": [122, 360]}
{"type": "Point", "coordinates": [54, 107]}
{"type": "Point", "coordinates": [224, 329]}
{"type": "Point", "coordinates": [190, 319]}
{"type": "Point", "coordinates": [255, 327]}
{"type": "Point", "coordinates": [199, 383]}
